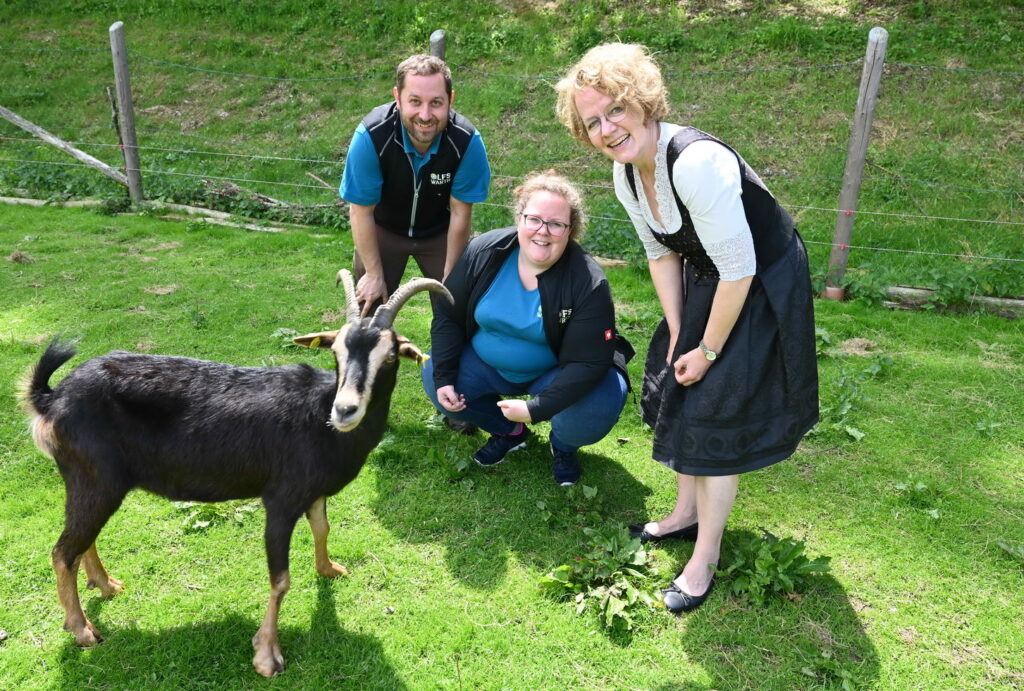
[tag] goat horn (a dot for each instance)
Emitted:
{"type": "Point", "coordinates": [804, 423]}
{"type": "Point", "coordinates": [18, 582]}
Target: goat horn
{"type": "Point", "coordinates": [385, 314]}
{"type": "Point", "coordinates": [352, 312]}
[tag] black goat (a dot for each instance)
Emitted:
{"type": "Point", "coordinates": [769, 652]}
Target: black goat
{"type": "Point", "coordinates": [195, 430]}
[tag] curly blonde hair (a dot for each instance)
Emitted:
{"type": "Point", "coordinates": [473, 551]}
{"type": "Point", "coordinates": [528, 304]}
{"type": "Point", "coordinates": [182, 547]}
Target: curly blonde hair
{"type": "Point", "coordinates": [624, 71]}
{"type": "Point", "coordinates": [555, 183]}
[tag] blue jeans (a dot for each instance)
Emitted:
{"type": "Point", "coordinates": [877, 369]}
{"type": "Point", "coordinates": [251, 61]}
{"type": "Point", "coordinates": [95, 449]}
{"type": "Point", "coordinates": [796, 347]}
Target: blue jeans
{"type": "Point", "coordinates": [586, 421]}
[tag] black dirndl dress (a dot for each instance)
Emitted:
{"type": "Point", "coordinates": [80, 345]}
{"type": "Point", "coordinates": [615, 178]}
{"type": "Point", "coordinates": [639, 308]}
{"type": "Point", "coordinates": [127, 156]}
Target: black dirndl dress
{"type": "Point", "coordinates": [760, 397]}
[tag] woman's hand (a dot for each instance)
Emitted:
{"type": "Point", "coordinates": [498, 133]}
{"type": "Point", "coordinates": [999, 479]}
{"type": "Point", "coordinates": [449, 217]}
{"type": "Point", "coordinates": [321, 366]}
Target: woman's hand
{"type": "Point", "coordinates": [515, 409]}
{"type": "Point", "coordinates": [691, 367]}
{"type": "Point", "coordinates": [451, 401]}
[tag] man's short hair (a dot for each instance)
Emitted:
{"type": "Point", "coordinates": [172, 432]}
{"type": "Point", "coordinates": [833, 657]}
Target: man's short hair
{"type": "Point", "coordinates": [423, 66]}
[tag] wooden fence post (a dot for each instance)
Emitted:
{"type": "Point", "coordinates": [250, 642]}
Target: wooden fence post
{"type": "Point", "coordinates": [856, 155]}
{"type": "Point", "coordinates": [437, 44]}
{"type": "Point", "coordinates": [123, 87]}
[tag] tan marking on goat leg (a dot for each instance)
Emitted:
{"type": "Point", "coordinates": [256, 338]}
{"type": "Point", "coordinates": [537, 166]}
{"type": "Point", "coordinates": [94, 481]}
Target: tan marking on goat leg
{"type": "Point", "coordinates": [98, 576]}
{"type": "Point", "coordinates": [268, 660]}
{"type": "Point", "coordinates": [317, 517]}
{"type": "Point", "coordinates": [75, 621]}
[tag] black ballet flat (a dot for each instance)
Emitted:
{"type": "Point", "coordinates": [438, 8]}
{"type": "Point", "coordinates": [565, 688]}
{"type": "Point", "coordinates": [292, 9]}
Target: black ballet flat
{"type": "Point", "coordinates": [677, 602]}
{"type": "Point", "coordinates": [687, 533]}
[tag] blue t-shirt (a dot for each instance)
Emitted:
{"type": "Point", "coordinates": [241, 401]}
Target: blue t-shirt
{"type": "Point", "coordinates": [511, 335]}
{"type": "Point", "coordinates": [362, 180]}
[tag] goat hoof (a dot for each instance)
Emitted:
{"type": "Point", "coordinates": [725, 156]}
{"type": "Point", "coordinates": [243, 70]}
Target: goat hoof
{"type": "Point", "coordinates": [269, 662]}
{"type": "Point", "coordinates": [108, 590]}
{"type": "Point", "coordinates": [332, 570]}
{"type": "Point", "coordinates": [88, 636]}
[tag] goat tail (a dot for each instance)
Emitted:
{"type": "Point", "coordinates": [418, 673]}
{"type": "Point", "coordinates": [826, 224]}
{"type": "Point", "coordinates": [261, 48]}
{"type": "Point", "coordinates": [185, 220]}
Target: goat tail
{"type": "Point", "coordinates": [36, 395]}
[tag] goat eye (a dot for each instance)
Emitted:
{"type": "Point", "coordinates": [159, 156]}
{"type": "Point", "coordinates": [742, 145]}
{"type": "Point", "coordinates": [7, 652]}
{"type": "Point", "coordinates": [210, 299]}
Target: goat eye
{"type": "Point", "coordinates": [392, 356]}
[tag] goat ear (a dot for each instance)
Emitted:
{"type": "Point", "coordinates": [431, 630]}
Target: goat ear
{"type": "Point", "coordinates": [323, 339]}
{"type": "Point", "coordinates": [408, 350]}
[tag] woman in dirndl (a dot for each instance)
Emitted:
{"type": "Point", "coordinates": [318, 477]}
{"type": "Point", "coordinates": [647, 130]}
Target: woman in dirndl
{"type": "Point", "coordinates": [730, 383]}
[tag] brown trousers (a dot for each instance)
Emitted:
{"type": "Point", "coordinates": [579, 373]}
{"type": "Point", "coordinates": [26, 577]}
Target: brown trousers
{"type": "Point", "coordinates": [395, 251]}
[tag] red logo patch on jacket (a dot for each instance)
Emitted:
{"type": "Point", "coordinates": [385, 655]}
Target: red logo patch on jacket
{"type": "Point", "coordinates": [608, 335]}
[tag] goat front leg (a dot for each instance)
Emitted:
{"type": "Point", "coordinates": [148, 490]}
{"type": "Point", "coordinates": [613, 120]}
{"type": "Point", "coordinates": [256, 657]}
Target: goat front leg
{"type": "Point", "coordinates": [98, 576]}
{"type": "Point", "coordinates": [316, 514]}
{"type": "Point", "coordinates": [268, 659]}
{"type": "Point", "coordinates": [277, 535]}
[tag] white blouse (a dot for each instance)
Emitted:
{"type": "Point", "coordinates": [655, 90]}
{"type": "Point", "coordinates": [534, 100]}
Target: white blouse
{"type": "Point", "coordinates": [708, 180]}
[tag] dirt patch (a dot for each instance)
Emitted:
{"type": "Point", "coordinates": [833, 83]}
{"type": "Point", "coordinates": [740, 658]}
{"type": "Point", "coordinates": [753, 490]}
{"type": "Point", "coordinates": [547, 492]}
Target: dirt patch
{"type": "Point", "coordinates": [858, 346]}
{"type": "Point", "coordinates": [19, 257]}
{"type": "Point", "coordinates": [162, 290]}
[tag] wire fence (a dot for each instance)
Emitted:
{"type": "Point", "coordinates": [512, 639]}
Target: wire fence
{"type": "Point", "coordinates": [178, 140]}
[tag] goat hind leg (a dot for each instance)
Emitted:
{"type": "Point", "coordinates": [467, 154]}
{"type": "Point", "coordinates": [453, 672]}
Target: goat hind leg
{"type": "Point", "coordinates": [316, 514]}
{"type": "Point", "coordinates": [87, 507]}
{"type": "Point", "coordinates": [98, 576]}
{"type": "Point", "coordinates": [75, 621]}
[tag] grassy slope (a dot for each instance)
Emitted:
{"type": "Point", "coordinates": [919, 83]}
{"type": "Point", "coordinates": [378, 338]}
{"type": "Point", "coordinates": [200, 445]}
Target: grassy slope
{"type": "Point", "coordinates": [913, 601]}
{"type": "Point", "coordinates": [946, 143]}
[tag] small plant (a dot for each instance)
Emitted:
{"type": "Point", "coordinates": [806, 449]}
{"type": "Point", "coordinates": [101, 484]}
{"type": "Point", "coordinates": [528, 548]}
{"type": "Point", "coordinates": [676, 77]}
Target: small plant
{"type": "Point", "coordinates": [918, 495]}
{"type": "Point", "coordinates": [455, 463]}
{"type": "Point", "coordinates": [1015, 551]}
{"type": "Point", "coordinates": [987, 427]}
{"type": "Point", "coordinates": [824, 342]}
{"type": "Point", "coordinates": [829, 669]}
{"type": "Point", "coordinates": [202, 515]}
{"type": "Point", "coordinates": [847, 395]}
{"type": "Point", "coordinates": [759, 568]}
{"type": "Point", "coordinates": [197, 316]}
{"type": "Point", "coordinates": [284, 337]}
{"type": "Point", "coordinates": [609, 578]}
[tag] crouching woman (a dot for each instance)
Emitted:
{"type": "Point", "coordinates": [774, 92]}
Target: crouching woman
{"type": "Point", "coordinates": [533, 316]}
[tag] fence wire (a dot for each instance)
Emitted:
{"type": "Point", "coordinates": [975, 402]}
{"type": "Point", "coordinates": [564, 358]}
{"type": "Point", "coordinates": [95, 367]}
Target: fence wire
{"type": "Point", "coordinates": [584, 164]}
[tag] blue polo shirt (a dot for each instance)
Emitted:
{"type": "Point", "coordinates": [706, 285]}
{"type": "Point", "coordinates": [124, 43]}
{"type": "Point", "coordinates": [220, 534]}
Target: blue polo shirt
{"type": "Point", "coordinates": [362, 180]}
{"type": "Point", "coordinates": [510, 337]}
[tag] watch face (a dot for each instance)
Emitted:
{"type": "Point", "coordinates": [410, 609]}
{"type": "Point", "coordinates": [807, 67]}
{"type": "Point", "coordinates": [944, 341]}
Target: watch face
{"type": "Point", "coordinates": [710, 355]}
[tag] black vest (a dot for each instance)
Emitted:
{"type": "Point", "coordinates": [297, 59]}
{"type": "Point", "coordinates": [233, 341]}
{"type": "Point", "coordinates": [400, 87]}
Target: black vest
{"type": "Point", "coordinates": [411, 206]}
{"type": "Point", "coordinates": [770, 224]}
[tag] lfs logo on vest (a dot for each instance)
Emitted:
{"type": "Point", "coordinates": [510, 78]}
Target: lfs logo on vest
{"type": "Point", "coordinates": [440, 178]}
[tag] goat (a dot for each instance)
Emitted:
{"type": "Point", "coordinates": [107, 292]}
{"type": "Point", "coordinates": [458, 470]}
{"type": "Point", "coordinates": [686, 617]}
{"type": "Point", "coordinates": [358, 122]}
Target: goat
{"type": "Point", "coordinates": [190, 429]}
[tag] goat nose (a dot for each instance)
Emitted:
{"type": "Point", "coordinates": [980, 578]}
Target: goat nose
{"type": "Point", "coordinates": [343, 412]}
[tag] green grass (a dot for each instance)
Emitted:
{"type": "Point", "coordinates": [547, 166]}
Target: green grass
{"type": "Point", "coordinates": [776, 80]}
{"type": "Point", "coordinates": [920, 595]}
{"type": "Point", "coordinates": [446, 562]}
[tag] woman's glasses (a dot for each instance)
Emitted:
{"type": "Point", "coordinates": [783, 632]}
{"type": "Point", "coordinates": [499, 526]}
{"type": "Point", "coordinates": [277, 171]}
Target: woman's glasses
{"type": "Point", "coordinates": [556, 228]}
{"type": "Point", "coordinates": [616, 113]}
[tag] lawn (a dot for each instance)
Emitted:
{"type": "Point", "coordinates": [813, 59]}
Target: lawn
{"type": "Point", "coordinates": [911, 486]}
{"type": "Point", "coordinates": [446, 558]}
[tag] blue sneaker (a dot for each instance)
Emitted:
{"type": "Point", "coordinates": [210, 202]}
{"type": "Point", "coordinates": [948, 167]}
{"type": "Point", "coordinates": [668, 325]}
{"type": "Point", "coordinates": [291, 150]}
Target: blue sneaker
{"type": "Point", "coordinates": [566, 467]}
{"type": "Point", "coordinates": [500, 445]}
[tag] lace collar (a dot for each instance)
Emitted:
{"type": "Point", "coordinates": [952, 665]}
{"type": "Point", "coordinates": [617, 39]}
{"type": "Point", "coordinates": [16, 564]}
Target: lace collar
{"type": "Point", "coordinates": [662, 186]}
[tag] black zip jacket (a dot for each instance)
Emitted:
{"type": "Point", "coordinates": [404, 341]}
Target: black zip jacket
{"type": "Point", "coordinates": [415, 205]}
{"type": "Point", "coordinates": [578, 315]}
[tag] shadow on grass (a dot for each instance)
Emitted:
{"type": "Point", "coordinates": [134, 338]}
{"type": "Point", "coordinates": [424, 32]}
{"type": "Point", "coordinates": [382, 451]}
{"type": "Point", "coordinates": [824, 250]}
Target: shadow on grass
{"type": "Point", "coordinates": [217, 654]}
{"type": "Point", "coordinates": [814, 640]}
{"type": "Point", "coordinates": [481, 515]}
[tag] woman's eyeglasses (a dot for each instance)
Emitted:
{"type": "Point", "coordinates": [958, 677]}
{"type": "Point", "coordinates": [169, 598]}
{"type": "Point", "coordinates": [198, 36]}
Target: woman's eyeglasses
{"type": "Point", "coordinates": [556, 228]}
{"type": "Point", "coordinates": [616, 113]}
